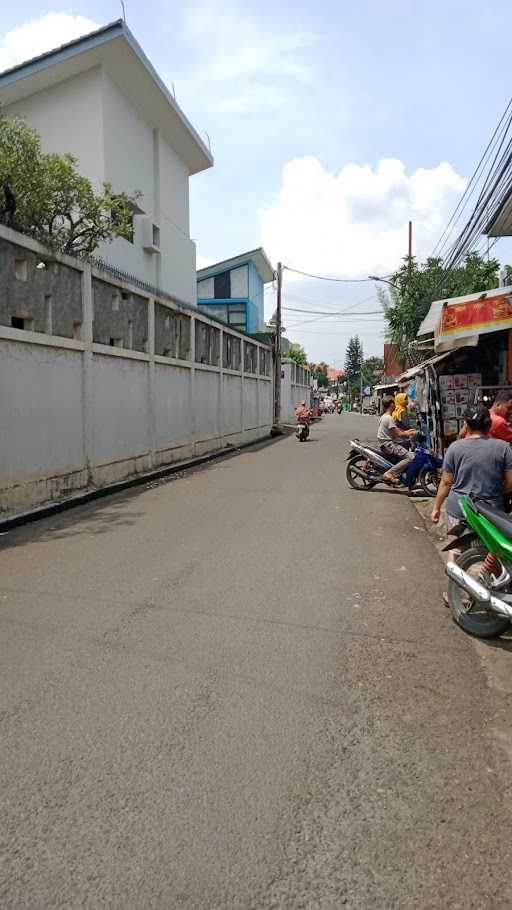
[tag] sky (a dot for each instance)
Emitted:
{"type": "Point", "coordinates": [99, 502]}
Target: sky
{"type": "Point", "coordinates": [332, 125]}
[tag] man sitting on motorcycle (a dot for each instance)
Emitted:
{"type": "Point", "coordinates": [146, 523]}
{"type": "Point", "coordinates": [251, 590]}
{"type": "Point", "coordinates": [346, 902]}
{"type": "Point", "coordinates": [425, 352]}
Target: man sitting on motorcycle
{"type": "Point", "coordinates": [388, 436]}
{"type": "Point", "coordinates": [303, 413]}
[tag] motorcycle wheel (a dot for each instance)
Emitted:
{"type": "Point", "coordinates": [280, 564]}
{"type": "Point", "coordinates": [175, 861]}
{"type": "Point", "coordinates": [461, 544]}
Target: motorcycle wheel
{"type": "Point", "coordinates": [355, 480]}
{"type": "Point", "coordinates": [429, 481]}
{"type": "Point", "coordinates": [470, 615]}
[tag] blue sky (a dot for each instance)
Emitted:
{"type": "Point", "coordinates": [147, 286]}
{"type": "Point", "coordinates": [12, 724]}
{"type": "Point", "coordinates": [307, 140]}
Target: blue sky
{"type": "Point", "coordinates": [331, 124]}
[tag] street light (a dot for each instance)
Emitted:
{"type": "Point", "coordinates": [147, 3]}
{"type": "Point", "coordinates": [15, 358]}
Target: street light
{"type": "Point", "coordinates": [385, 280]}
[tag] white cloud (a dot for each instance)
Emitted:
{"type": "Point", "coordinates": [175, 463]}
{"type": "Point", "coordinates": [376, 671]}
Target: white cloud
{"type": "Point", "coordinates": [41, 35]}
{"type": "Point", "coordinates": [241, 66]}
{"type": "Point", "coordinates": [354, 223]}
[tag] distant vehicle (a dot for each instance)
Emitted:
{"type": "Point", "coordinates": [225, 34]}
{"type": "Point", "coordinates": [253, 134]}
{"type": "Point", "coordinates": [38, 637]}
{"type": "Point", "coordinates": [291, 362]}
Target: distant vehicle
{"type": "Point", "coordinates": [369, 408]}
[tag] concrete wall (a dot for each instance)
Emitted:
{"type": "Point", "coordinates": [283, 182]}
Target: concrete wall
{"type": "Point", "coordinates": [76, 413]}
{"type": "Point", "coordinates": [295, 387]}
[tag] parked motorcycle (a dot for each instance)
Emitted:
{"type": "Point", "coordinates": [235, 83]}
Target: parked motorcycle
{"type": "Point", "coordinates": [480, 579]}
{"type": "Point", "coordinates": [367, 464]}
{"type": "Point", "coordinates": [302, 432]}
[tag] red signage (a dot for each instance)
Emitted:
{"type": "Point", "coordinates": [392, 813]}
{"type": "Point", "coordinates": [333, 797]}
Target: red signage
{"type": "Point", "coordinates": [475, 317]}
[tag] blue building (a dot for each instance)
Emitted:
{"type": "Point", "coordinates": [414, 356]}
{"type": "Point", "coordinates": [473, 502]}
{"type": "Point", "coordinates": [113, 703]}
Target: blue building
{"type": "Point", "coordinates": [233, 290]}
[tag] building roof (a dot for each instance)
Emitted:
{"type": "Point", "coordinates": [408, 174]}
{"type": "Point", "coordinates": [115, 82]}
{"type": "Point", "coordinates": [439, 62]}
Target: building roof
{"type": "Point", "coordinates": [116, 49]}
{"type": "Point", "coordinates": [500, 225]}
{"type": "Point", "coordinates": [258, 256]}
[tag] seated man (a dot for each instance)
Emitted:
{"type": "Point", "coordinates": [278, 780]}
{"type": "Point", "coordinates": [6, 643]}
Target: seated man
{"type": "Point", "coordinates": [303, 413]}
{"type": "Point", "coordinates": [388, 436]}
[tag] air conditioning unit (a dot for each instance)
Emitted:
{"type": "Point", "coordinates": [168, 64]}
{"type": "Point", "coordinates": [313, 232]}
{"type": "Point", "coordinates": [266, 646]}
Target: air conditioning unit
{"type": "Point", "coordinates": [149, 234]}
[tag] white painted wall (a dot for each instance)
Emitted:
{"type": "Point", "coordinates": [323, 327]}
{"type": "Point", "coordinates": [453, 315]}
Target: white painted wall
{"type": "Point", "coordinates": [91, 117]}
{"type": "Point", "coordinates": [74, 414]}
{"type": "Point", "coordinates": [68, 118]}
{"type": "Point", "coordinates": [291, 394]}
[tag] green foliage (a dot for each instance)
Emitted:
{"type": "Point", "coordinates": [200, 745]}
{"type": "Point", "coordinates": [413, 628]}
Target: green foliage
{"type": "Point", "coordinates": [353, 358]}
{"type": "Point", "coordinates": [298, 354]}
{"type": "Point", "coordinates": [415, 286]}
{"type": "Point", "coordinates": [319, 372]}
{"type": "Point", "coordinates": [50, 200]}
{"type": "Point", "coordinates": [373, 368]}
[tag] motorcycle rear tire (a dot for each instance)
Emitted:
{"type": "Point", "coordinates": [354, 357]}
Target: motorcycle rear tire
{"type": "Point", "coordinates": [355, 481]}
{"type": "Point", "coordinates": [484, 624]}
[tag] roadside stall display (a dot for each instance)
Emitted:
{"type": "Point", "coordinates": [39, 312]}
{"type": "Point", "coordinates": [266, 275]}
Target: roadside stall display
{"type": "Point", "coordinates": [473, 343]}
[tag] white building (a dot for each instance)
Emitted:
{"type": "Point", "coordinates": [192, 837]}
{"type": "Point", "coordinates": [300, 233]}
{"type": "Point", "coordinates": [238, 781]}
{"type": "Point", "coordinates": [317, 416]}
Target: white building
{"type": "Point", "coordinates": [100, 99]}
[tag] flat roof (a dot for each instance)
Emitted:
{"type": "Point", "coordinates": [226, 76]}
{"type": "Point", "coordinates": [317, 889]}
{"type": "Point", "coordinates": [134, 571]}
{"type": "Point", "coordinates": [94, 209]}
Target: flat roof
{"type": "Point", "coordinates": [116, 49]}
{"type": "Point", "coordinates": [258, 256]}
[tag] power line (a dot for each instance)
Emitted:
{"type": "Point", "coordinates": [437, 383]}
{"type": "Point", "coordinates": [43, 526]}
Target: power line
{"type": "Point", "coordinates": [326, 277]}
{"type": "Point", "coordinates": [483, 160]}
{"type": "Point", "coordinates": [338, 313]}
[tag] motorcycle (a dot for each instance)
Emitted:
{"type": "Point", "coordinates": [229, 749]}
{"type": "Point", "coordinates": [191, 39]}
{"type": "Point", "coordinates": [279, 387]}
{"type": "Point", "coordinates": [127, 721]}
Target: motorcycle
{"type": "Point", "coordinates": [367, 464]}
{"type": "Point", "coordinates": [480, 578]}
{"type": "Point", "coordinates": [302, 432]}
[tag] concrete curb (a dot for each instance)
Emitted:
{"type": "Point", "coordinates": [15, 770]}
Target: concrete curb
{"type": "Point", "coordinates": [89, 495]}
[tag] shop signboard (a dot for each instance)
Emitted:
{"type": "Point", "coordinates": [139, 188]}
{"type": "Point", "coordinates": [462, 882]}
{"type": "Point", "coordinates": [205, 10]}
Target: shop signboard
{"type": "Point", "coordinates": [467, 320]}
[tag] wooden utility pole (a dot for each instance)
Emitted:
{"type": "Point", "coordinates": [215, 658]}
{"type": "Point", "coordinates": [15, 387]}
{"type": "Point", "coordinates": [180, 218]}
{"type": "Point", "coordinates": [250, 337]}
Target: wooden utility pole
{"type": "Point", "coordinates": [410, 241]}
{"type": "Point", "coordinates": [277, 350]}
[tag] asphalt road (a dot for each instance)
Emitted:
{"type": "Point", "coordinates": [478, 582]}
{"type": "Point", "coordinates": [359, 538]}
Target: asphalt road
{"type": "Point", "coordinates": [239, 689]}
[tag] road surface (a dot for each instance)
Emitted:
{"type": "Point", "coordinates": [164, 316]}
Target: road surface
{"type": "Point", "coordinates": [239, 689]}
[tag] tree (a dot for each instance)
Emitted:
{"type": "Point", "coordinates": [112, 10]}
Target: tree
{"type": "Point", "coordinates": [353, 358]}
{"type": "Point", "coordinates": [414, 287]}
{"type": "Point", "coordinates": [44, 195]}
{"type": "Point", "coordinates": [298, 354]}
{"type": "Point", "coordinates": [319, 372]}
{"type": "Point", "coordinates": [373, 368]}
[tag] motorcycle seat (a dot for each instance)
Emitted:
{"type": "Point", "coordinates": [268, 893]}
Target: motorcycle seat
{"type": "Point", "coordinates": [498, 517]}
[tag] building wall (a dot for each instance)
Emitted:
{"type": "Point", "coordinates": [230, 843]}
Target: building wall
{"type": "Point", "coordinates": [69, 118]}
{"type": "Point", "coordinates": [76, 413]}
{"type": "Point", "coordinates": [256, 308]}
{"type": "Point", "coordinates": [90, 117]}
{"type": "Point", "coordinates": [246, 288]}
{"type": "Point", "coordinates": [137, 157]}
{"type": "Point", "coordinates": [295, 387]}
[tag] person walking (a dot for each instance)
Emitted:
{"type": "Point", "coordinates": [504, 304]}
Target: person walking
{"type": "Point", "coordinates": [477, 464]}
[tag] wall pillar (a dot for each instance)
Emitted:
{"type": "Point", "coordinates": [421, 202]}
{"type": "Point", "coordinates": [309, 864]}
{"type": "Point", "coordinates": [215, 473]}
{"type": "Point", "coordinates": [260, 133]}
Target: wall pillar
{"type": "Point", "coordinates": [151, 381]}
{"type": "Point", "coordinates": [88, 372]}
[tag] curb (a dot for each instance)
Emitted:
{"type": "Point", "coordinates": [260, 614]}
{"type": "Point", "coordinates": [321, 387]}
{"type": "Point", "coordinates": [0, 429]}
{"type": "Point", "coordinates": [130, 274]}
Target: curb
{"type": "Point", "coordinates": [89, 495]}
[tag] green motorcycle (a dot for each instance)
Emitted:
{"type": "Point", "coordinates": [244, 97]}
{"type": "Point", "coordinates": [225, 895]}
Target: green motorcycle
{"type": "Point", "coordinates": [480, 579]}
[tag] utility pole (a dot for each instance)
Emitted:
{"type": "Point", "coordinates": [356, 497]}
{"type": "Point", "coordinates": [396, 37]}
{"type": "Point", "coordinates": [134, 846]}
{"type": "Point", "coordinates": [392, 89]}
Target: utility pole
{"type": "Point", "coordinates": [410, 241]}
{"type": "Point", "coordinates": [277, 351]}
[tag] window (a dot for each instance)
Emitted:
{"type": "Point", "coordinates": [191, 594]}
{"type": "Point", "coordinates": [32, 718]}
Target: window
{"type": "Point", "coordinates": [237, 317]}
{"type": "Point", "coordinates": [222, 286]}
{"type": "Point", "coordinates": [220, 312]}
{"type": "Point", "coordinates": [17, 322]}
{"type": "Point", "coordinates": [156, 236]}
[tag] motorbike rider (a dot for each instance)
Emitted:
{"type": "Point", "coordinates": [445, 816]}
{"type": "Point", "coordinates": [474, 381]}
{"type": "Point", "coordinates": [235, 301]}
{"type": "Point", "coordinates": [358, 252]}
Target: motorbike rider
{"type": "Point", "coordinates": [388, 436]}
{"type": "Point", "coordinates": [303, 413]}
{"type": "Point", "coordinates": [477, 464]}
